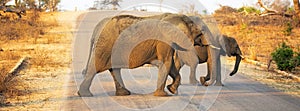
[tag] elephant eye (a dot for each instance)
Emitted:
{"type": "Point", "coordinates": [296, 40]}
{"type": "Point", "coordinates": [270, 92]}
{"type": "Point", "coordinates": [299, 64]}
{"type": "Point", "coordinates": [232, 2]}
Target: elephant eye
{"type": "Point", "coordinates": [191, 25]}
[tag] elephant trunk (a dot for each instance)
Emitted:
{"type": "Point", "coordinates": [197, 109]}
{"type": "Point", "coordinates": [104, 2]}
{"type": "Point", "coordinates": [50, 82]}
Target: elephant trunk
{"type": "Point", "coordinates": [237, 63]}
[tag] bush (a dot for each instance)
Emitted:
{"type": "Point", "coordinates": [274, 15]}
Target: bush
{"type": "Point", "coordinates": [284, 58]}
{"type": "Point", "coordinates": [288, 29]}
{"type": "Point", "coordinates": [249, 10]}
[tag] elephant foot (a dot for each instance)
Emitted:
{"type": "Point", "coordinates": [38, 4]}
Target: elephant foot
{"type": "Point", "coordinates": [202, 80]}
{"type": "Point", "coordinates": [219, 84]}
{"type": "Point", "coordinates": [172, 89]}
{"type": "Point", "coordinates": [85, 93]}
{"type": "Point", "coordinates": [207, 83]}
{"type": "Point", "coordinates": [122, 92]}
{"type": "Point", "coordinates": [194, 82]}
{"type": "Point", "coordinates": [160, 93]}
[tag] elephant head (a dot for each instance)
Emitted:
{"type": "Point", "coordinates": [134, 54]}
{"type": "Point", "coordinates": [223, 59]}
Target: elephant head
{"type": "Point", "coordinates": [233, 49]}
{"type": "Point", "coordinates": [212, 45]}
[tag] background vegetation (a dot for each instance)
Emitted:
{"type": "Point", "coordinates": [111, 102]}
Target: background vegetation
{"type": "Point", "coordinates": [41, 5]}
{"type": "Point", "coordinates": [284, 58]}
{"type": "Point", "coordinates": [264, 28]}
{"type": "Point", "coordinates": [16, 32]}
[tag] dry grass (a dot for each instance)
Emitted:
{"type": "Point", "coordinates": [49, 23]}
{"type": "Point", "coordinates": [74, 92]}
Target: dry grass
{"type": "Point", "coordinates": [258, 37]}
{"type": "Point", "coordinates": [13, 30]}
{"type": "Point", "coordinates": [40, 86]}
{"type": "Point", "coordinates": [2, 77]}
{"type": "Point", "coordinates": [29, 36]}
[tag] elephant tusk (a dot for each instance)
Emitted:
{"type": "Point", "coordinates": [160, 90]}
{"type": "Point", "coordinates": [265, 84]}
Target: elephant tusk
{"type": "Point", "coordinates": [243, 57]}
{"type": "Point", "coordinates": [214, 47]}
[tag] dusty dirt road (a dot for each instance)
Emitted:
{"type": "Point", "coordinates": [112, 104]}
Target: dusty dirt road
{"type": "Point", "coordinates": [239, 93]}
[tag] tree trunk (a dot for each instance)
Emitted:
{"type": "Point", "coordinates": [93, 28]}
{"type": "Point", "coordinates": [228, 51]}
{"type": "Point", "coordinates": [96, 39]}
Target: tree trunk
{"type": "Point", "coordinates": [267, 10]}
{"type": "Point", "coordinates": [17, 3]}
{"type": "Point", "coordinates": [297, 7]}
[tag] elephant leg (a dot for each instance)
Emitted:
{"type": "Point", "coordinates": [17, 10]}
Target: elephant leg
{"type": "Point", "coordinates": [119, 84]}
{"type": "Point", "coordinates": [165, 55]}
{"type": "Point", "coordinates": [192, 78]}
{"type": "Point", "coordinates": [84, 89]}
{"type": "Point", "coordinates": [207, 77]}
{"type": "Point", "coordinates": [178, 65]}
{"type": "Point", "coordinates": [214, 58]}
{"type": "Point", "coordinates": [218, 78]}
{"type": "Point", "coordinates": [161, 81]}
{"type": "Point", "coordinates": [191, 59]}
{"type": "Point", "coordinates": [208, 71]}
{"type": "Point", "coordinates": [174, 73]}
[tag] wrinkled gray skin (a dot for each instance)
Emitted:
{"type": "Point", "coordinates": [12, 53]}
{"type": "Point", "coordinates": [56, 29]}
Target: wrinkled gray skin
{"type": "Point", "coordinates": [232, 49]}
{"type": "Point", "coordinates": [103, 40]}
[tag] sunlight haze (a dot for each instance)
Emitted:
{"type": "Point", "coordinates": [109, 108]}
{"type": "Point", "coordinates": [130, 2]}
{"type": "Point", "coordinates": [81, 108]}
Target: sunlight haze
{"type": "Point", "coordinates": [210, 5]}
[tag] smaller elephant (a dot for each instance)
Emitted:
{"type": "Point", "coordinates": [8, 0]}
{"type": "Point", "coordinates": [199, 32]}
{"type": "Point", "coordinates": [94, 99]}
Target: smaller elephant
{"type": "Point", "coordinates": [232, 49]}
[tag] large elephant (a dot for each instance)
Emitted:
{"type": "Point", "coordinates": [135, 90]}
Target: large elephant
{"type": "Point", "coordinates": [232, 49]}
{"type": "Point", "coordinates": [148, 51]}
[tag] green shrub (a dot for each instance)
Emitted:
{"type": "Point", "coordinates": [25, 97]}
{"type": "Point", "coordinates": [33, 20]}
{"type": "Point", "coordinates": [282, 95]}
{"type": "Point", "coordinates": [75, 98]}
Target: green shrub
{"type": "Point", "coordinates": [284, 58]}
{"type": "Point", "coordinates": [290, 10]}
{"type": "Point", "coordinates": [249, 10]}
{"type": "Point", "coordinates": [288, 29]}
{"type": "Point", "coordinates": [244, 26]}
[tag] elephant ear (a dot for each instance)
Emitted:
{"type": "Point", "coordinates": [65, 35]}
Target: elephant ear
{"type": "Point", "coordinates": [228, 45]}
{"type": "Point", "coordinates": [211, 34]}
{"type": "Point", "coordinates": [232, 47]}
{"type": "Point", "coordinates": [199, 30]}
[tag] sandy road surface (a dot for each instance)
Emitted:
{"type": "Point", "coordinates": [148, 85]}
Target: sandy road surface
{"type": "Point", "coordinates": [239, 92]}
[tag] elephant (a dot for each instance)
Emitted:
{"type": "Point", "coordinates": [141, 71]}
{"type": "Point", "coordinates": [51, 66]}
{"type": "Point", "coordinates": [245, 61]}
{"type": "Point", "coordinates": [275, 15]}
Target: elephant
{"type": "Point", "coordinates": [105, 36]}
{"type": "Point", "coordinates": [212, 46]}
{"type": "Point", "coordinates": [232, 49]}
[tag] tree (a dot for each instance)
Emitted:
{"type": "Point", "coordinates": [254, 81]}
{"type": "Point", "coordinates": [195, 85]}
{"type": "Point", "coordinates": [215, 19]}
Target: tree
{"type": "Point", "coordinates": [50, 5]}
{"type": "Point", "coordinates": [114, 3]}
{"type": "Point", "coordinates": [274, 7]}
{"type": "Point", "coordinates": [278, 5]}
{"type": "Point", "coordinates": [30, 3]}
{"type": "Point", "coordinates": [297, 7]}
{"type": "Point", "coordinates": [3, 2]}
{"type": "Point", "coordinates": [18, 3]}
